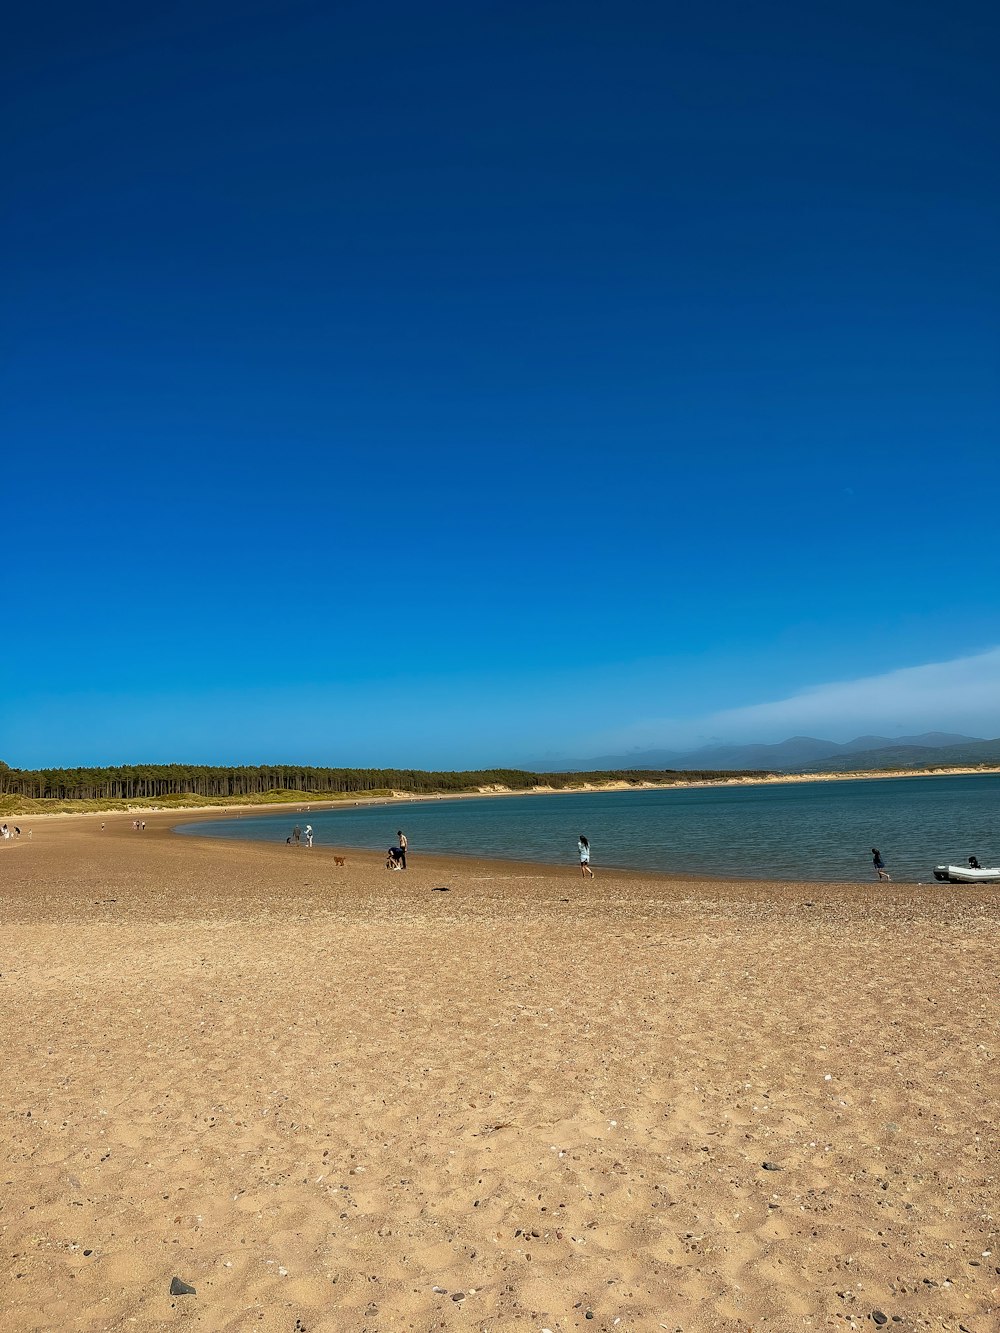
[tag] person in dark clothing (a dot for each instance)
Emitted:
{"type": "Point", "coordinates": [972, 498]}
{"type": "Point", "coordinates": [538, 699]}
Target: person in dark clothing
{"type": "Point", "coordinates": [879, 864]}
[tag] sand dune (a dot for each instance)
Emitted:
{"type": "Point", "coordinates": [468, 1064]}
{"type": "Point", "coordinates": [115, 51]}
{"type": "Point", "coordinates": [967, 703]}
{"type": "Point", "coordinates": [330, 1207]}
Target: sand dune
{"type": "Point", "coordinates": [336, 1099]}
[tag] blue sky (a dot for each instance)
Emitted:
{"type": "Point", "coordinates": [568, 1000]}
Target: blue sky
{"type": "Point", "coordinates": [470, 384]}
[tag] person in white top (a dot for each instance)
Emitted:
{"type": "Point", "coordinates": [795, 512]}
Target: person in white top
{"type": "Point", "coordinates": [584, 847]}
{"type": "Point", "coordinates": [309, 835]}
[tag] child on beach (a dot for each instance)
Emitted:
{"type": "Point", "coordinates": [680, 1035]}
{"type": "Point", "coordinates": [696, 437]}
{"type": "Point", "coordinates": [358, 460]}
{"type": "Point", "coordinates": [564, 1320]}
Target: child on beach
{"type": "Point", "coordinates": [879, 864]}
{"type": "Point", "coordinates": [584, 849]}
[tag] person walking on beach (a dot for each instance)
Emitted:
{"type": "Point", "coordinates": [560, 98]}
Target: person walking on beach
{"type": "Point", "coordinates": [296, 834]}
{"type": "Point", "coordinates": [879, 865]}
{"type": "Point", "coordinates": [309, 835]}
{"type": "Point", "coordinates": [584, 848]}
{"type": "Point", "coordinates": [401, 843]}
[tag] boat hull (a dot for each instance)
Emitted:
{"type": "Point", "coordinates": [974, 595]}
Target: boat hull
{"type": "Point", "coordinates": [966, 875]}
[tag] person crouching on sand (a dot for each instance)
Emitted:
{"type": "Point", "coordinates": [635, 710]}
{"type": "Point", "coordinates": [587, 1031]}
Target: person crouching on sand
{"type": "Point", "coordinates": [584, 848]}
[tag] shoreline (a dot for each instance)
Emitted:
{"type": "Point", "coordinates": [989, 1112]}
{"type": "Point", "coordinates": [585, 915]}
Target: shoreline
{"type": "Point", "coordinates": [164, 822]}
{"type": "Point", "coordinates": [166, 825]}
{"type": "Point", "coordinates": [402, 798]}
{"type": "Point", "coordinates": [161, 827]}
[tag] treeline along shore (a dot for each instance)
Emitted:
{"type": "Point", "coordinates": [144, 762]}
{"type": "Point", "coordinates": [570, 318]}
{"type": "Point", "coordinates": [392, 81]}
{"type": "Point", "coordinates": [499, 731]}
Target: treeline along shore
{"type": "Point", "coordinates": [179, 783]}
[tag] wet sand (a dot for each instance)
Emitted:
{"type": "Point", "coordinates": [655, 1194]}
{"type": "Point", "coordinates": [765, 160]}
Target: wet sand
{"type": "Point", "coordinates": [340, 1099]}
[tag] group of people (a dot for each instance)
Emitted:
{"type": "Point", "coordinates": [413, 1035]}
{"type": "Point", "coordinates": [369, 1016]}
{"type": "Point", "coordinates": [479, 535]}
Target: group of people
{"type": "Point", "coordinates": [7, 833]}
{"type": "Point", "coordinates": [395, 857]}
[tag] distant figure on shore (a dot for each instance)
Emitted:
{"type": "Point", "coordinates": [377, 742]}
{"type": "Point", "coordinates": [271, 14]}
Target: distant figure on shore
{"type": "Point", "coordinates": [309, 835]}
{"type": "Point", "coordinates": [296, 834]}
{"type": "Point", "coordinates": [974, 863]}
{"type": "Point", "coordinates": [879, 864]}
{"type": "Point", "coordinates": [584, 848]}
{"type": "Point", "coordinates": [402, 844]}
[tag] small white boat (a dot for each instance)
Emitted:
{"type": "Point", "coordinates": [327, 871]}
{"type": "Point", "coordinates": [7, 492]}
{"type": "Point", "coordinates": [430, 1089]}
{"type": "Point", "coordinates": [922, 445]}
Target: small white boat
{"type": "Point", "coordinates": [968, 874]}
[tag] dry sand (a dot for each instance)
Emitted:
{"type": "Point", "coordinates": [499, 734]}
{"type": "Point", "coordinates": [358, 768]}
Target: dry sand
{"type": "Point", "coordinates": [335, 1099]}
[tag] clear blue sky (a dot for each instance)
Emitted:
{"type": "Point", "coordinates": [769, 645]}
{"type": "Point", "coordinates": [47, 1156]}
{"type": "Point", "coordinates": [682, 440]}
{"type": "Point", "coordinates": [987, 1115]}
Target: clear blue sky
{"type": "Point", "coordinates": [463, 384]}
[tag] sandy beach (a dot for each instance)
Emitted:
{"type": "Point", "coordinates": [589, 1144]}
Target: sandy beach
{"type": "Point", "coordinates": [486, 1096]}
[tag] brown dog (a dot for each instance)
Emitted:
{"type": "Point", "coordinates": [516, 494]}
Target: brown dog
{"type": "Point", "coordinates": [338, 860]}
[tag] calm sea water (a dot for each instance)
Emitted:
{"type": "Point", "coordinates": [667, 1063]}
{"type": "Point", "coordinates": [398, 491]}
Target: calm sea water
{"type": "Point", "coordinates": [809, 830]}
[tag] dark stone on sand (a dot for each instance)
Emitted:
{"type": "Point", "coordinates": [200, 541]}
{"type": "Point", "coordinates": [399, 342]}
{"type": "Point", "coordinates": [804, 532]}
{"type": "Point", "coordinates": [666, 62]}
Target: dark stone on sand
{"type": "Point", "coordinates": [458, 1296]}
{"type": "Point", "coordinates": [179, 1288]}
{"type": "Point", "coordinates": [770, 1166]}
{"type": "Point", "coordinates": [87, 1253]}
{"type": "Point", "coordinates": [440, 888]}
{"type": "Point", "coordinates": [879, 1318]}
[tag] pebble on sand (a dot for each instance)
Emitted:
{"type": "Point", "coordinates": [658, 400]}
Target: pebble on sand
{"type": "Point", "coordinates": [179, 1288]}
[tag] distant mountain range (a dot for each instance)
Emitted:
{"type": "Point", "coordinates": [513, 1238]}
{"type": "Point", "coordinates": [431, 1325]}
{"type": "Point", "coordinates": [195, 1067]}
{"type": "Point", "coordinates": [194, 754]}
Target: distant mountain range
{"type": "Point", "coordinates": [809, 754]}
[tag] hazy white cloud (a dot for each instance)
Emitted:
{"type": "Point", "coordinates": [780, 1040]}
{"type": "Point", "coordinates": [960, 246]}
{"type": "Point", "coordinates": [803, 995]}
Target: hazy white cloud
{"type": "Point", "coordinates": [961, 695]}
